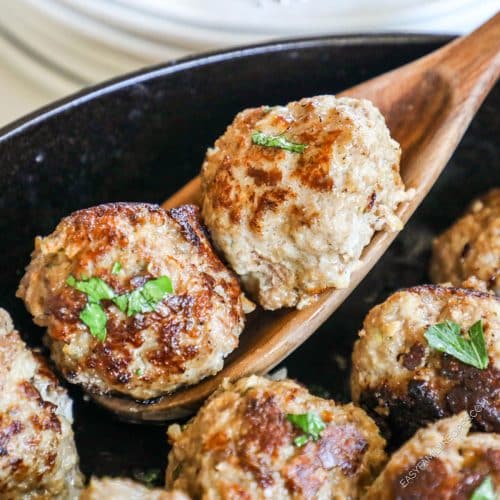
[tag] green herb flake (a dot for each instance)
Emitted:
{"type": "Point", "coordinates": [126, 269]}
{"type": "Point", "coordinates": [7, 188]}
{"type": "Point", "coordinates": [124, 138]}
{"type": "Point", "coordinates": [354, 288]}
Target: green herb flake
{"type": "Point", "coordinates": [94, 317]}
{"type": "Point", "coordinates": [138, 372]}
{"type": "Point", "coordinates": [137, 303]}
{"type": "Point", "coordinates": [301, 440]}
{"type": "Point", "coordinates": [446, 337]}
{"type": "Point", "coordinates": [95, 288]}
{"type": "Point", "coordinates": [146, 298]}
{"type": "Point", "coordinates": [117, 267]}
{"type": "Point", "coordinates": [121, 302]}
{"type": "Point", "coordinates": [150, 477]}
{"type": "Point", "coordinates": [141, 300]}
{"type": "Point", "coordinates": [277, 141]}
{"type": "Point", "coordinates": [71, 281]}
{"type": "Point", "coordinates": [310, 423]}
{"type": "Point", "coordinates": [485, 491]}
{"type": "Point", "coordinates": [156, 290]}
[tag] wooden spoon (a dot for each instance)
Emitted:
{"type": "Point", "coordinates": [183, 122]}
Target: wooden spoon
{"type": "Point", "coordinates": [428, 105]}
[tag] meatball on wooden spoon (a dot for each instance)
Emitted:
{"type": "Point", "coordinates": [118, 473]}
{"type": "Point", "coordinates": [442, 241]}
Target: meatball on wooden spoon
{"type": "Point", "coordinates": [38, 458]}
{"type": "Point", "coordinates": [134, 299]}
{"type": "Point", "coordinates": [294, 223]}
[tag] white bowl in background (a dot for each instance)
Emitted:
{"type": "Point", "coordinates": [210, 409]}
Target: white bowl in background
{"type": "Point", "coordinates": [59, 46]}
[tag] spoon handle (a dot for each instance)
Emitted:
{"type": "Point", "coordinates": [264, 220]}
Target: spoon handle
{"type": "Point", "coordinates": [429, 103]}
{"type": "Point", "coordinates": [471, 64]}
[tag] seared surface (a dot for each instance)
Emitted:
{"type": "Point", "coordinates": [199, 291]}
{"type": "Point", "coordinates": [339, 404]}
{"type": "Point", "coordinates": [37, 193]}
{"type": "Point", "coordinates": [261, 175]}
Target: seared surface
{"type": "Point", "coordinates": [294, 224]}
{"type": "Point", "coordinates": [126, 489]}
{"type": "Point", "coordinates": [440, 461]}
{"type": "Point", "coordinates": [471, 246]}
{"type": "Point", "coordinates": [185, 339]}
{"type": "Point", "coordinates": [38, 459]}
{"type": "Point", "coordinates": [404, 382]}
{"type": "Point", "coordinates": [240, 445]}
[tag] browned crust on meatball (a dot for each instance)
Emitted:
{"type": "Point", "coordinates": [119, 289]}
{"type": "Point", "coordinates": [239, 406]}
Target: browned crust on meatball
{"type": "Point", "coordinates": [440, 461]}
{"type": "Point", "coordinates": [38, 459]}
{"type": "Point", "coordinates": [405, 384]}
{"type": "Point", "coordinates": [444, 291]}
{"type": "Point", "coordinates": [146, 355]}
{"type": "Point", "coordinates": [435, 481]}
{"type": "Point", "coordinates": [471, 246]}
{"type": "Point", "coordinates": [313, 169]}
{"type": "Point", "coordinates": [241, 439]}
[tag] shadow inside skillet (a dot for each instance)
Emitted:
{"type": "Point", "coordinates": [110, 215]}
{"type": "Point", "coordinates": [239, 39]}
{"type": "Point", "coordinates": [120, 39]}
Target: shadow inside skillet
{"type": "Point", "coordinates": [143, 139]}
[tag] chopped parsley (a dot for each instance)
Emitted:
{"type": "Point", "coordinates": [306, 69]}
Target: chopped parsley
{"type": "Point", "coordinates": [149, 477]}
{"type": "Point", "coordinates": [142, 300]}
{"type": "Point", "coordinates": [121, 301]}
{"type": "Point", "coordinates": [301, 440]}
{"type": "Point", "coordinates": [310, 423]}
{"type": "Point", "coordinates": [146, 298]}
{"type": "Point", "coordinates": [94, 288]}
{"type": "Point", "coordinates": [267, 109]}
{"type": "Point", "coordinates": [277, 141]}
{"type": "Point", "coordinates": [484, 491]}
{"type": "Point", "coordinates": [94, 317]}
{"type": "Point", "coordinates": [117, 267]}
{"type": "Point", "coordinates": [446, 337]}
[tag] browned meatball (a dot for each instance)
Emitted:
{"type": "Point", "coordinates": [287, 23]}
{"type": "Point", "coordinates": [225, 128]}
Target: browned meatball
{"type": "Point", "coordinates": [405, 382]}
{"type": "Point", "coordinates": [442, 461]}
{"type": "Point", "coordinates": [243, 444]}
{"type": "Point", "coordinates": [294, 223]}
{"type": "Point", "coordinates": [471, 246]}
{"type": "Point", "coordinates": [126, 489]}
{"type": "Point", "coordinates": [38, 458]}
{"type": "Point", "coordinates": [150, 348]}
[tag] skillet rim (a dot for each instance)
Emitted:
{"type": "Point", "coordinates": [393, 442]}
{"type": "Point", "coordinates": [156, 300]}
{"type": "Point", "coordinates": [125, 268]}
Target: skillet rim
{"type": "Point", "coordinates": [88, 94]}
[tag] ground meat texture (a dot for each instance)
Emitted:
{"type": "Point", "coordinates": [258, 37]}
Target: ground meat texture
{"type": "Point", "coordinates": [240, 445]}
{"type": "Point", "coordinates": [146, 355]}
{"type": "Point", "coordinates": [471, 246]}
{"type": "Point", "coordinates": [126, 489]}
{"type": "Point", "coordinates": [294, 224]}
{"type": "Point", "coordinates": [38, 458]}
{"type": "Point", "coordinates": [404, 383]}
{"type": "Point", "coordinates": [441, 461]}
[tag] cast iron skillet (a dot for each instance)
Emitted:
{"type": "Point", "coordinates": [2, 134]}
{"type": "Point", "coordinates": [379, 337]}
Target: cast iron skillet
{"type": "Point", "coordinates": [142, 137]}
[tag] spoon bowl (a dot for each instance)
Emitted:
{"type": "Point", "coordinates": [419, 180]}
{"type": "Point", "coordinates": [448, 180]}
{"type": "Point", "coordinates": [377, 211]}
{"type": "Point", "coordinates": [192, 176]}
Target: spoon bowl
{"type": "Point", "coordinates": [428, 105]}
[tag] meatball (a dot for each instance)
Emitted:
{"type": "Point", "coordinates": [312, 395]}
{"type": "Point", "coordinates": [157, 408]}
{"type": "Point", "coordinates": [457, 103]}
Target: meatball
{"type": "Point", "coordinates": [294, 223]}
{"type": "Point", "coordinates": [38, 458]}
{"type": "Point", "coordinates": [471, 246]}
{"type": "Point", "coordinates": [441, 461]}
{"type": "Point", "coordinates": [243, 444]}
{"type": "Point", "coordinates": [404, 382]}
{"type": "Point", "coordinates": [120, 489]}
{"type": "Point", "coordinates": [149, 341]}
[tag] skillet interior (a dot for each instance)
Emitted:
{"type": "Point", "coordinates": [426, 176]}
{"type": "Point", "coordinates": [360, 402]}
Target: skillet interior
{"type": "Point", "coordinates": [141, 138]}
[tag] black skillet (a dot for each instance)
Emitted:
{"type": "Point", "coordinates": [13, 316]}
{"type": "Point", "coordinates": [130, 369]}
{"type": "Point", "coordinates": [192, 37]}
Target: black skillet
{"type": "Point", "coordinates": [141, 137]}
